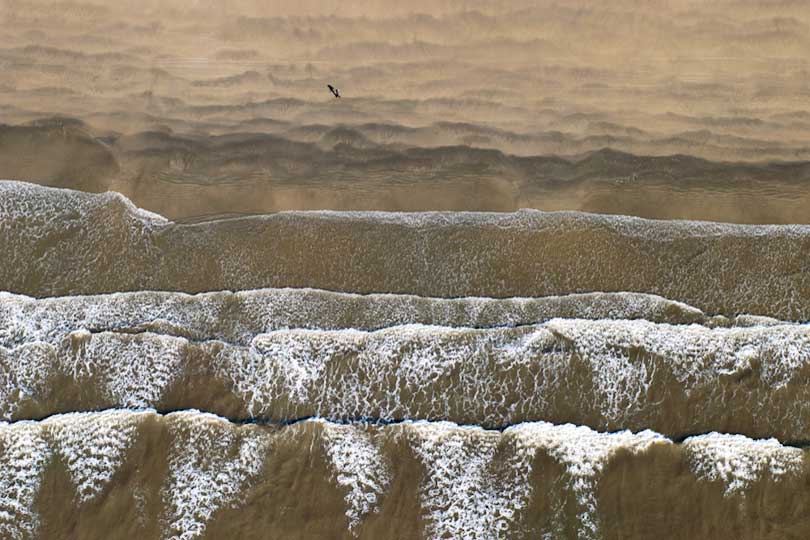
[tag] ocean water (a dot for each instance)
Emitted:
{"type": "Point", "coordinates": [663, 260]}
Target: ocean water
{"type": "Point", "coordinates": [396, 376]}
{"type": "Point", "coordinates": [191, 474]}
{"type": "Point", "coordinates": [60, 242]}
{"type": "Point", "coordinates": [541, 273]}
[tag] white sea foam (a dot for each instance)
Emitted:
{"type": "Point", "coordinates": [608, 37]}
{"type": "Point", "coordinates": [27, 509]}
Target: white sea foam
{"type": "Point", "coordinates": [239, 316]}
{"type": "Point", "coordinates": [134, 370]}
{"type": "Point", "coordinates": [695, 353]}
{"type": "Point", "coordinates": [105, 244]}
{"type": "Point", "coordinates": [24, 374]}
{"type": "Point", "coordinates": [93, 446]}
{"type": "Point", "coordinates": [583, 453]}
{"type": "Point", "coordinates": [626, 357]}
{"type": "Point", "coordinates": [487, 376]}
{"type": "Point", "coordinates": [203, 478]}
{"type": "Point", "coordinates": [359, 467]}
{"type": "Point", "coordinates": [462, 493]}
{"type": "Point", "coordinates": [299, 358]}
{"type": "Point", "coordinates": [24, 454]}
{"type": "Point", "coordinates": [476, 483]}
{"type": "Point", "coordinates": [738, 461]}
{"type": "Point", "coordinates": [413, 371]}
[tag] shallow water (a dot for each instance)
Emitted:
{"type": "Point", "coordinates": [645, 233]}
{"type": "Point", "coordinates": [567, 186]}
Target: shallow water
{"type": "Point", "coordinates": [520, 375]}
{"type": "Point", "coordinates": [628, 359]}
{"type": "Point", "coordinates": [60, 242]}
{"type": "Point", "coordinates": [195, 475]}
{"type": "Point", "coordinates": [232, 354]}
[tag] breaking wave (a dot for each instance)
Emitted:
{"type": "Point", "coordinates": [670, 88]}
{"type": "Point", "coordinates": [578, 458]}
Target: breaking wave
{"type": "Point", "coordinates": [59, 242]}
{"type": "Point", "coordinates": [374, 375]}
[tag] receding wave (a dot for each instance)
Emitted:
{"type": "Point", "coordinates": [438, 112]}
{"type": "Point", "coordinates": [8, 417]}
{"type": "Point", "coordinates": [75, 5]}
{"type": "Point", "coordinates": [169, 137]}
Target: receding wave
{"type": "Point", "coordinates": [194, 475]}
{"type": "Point", "coordinates": [59, 242]}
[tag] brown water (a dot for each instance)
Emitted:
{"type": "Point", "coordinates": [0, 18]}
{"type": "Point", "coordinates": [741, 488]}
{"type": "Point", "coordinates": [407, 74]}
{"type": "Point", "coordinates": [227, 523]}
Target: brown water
{"type": "Point", "coordinates": [191, 177]}
{"type": "Point", "coordinates": [59, 242]}
{"type": "Point", "coordinates": [552, 375]}
{"type": "Point", "coordinates": [179, 361]}
{"type": "Point", "coordinates": [678, 379]}
{"type": "Point", "coordinates": [124, 474]}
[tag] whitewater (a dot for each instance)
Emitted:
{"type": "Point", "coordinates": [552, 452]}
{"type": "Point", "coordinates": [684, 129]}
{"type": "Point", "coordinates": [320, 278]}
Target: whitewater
{"type": "Point", "coordinates": [382, 375]}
